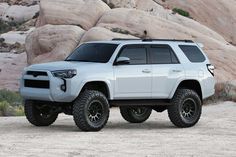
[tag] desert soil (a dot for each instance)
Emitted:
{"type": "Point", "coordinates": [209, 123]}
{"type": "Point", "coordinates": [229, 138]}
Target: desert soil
{"type": "Point", "coordinates": [214, 135]}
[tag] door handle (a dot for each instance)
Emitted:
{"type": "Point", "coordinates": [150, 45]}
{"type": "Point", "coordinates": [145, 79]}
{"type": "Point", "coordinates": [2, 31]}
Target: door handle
{"type": "Point", "coordinates": [176, 71]}
{"type": "Point", "coordinates": [146, 71]}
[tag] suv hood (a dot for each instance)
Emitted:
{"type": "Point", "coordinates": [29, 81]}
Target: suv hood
{"type": "Point", "coordinates": [60, 65]}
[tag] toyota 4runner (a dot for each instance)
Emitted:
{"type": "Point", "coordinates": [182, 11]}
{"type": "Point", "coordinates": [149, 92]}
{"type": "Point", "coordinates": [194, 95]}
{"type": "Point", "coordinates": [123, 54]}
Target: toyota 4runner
{"type": "Point", "coordinates": [137, 76]}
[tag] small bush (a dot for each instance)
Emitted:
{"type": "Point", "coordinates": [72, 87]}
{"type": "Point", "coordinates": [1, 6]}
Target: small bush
{"type": "Point", "coordinates": [9, 26]}
{"type": "Point", "coordinates": [13, 98]}
{"type": "Point", "coordinates": [6, 109]}
{"type": "Point", "coordinates": [4, 27]}
{"type": "Point", "coordinates": [19, 111]}
{"type": "Point", "coordinates": [4, 105]}
{"type": "Point", "coordinates": [181, 12]}
{"type": "Point", "coordinates": [11, 103]}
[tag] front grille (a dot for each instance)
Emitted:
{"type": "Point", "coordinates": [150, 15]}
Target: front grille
{"type": "Point", "coordinates": [36, 73]}
{"type": "Point", "coordinates": [37, 84]}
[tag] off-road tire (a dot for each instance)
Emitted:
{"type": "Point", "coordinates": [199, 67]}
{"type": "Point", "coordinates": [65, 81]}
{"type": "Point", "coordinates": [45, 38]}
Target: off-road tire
{"type": "Point", "coordinates": [81, 110]}
{"type": "Point", "coordinates": [128, 113]}
{"type": "Point", "coordinates": [34, 116]}
{"type": "Point", "coordinates": [177, 113]}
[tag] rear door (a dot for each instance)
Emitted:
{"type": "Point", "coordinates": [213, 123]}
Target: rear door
{"type": "Point", "coordinates": [133, 80]}
{"type": "Point", "coordinates": [166, 70]}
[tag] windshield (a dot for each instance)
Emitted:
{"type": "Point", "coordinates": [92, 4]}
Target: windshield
{"type": "Point", "coordinates": [93, 52]}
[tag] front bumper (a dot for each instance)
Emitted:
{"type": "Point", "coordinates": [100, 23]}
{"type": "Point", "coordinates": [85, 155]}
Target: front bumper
{"type": "Point", "coordinates": [34, 89]}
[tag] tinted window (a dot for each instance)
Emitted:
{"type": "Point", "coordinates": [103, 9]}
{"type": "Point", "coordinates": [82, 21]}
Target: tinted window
{"type": "Point", "coordinates": [135, 54]}
{"type": "Point", "coordinates": [193, 53]}
{"type": "Point", "coordinates": [93, 52]}
{"type": "Point", "coordinates": [162, 55]}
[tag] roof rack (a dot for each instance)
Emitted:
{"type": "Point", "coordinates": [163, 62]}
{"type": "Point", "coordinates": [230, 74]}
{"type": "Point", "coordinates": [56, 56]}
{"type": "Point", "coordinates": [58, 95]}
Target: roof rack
{"type": "Point", "coordinates": [149, 40]}
{"type": "Point", "coordinates": [121, 39]}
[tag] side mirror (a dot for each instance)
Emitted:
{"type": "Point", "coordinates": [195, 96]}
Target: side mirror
{"type": "Point", "coordinates": [122, 61]}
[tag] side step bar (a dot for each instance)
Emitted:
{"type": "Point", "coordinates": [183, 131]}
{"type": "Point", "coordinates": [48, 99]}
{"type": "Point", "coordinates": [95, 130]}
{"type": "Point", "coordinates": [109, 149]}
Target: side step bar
{"type": "Point", "coordinates": [143, 102]}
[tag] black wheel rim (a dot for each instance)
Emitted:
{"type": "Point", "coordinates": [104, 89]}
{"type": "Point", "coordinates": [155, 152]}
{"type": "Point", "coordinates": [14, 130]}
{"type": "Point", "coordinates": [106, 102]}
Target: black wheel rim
{"type": "Point", "coordinates": [95, 111]}
{"type": "Point", "coordinates": [189, 109]}
{"type": "Point", "coordinates": [139, 111]}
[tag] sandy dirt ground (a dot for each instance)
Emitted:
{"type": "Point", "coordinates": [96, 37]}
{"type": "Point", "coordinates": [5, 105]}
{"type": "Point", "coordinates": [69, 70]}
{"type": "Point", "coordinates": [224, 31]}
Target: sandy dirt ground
{"type": "Point", "coordinates": [214, 135]}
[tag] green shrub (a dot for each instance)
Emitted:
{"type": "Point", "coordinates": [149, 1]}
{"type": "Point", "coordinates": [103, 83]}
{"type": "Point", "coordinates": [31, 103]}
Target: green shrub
{"type": "Point", "coordinates": [4, 27]}
{"type": "Point", "coordinates": [181, 12]}
{"type": "Point", "coordinates": [11, 103]}
{"type": "Point", "coordinates": [13, 98]}
{"type": "Point", "coordinates": [19, 111]}
{"type": "Point", "coordinates": [7, 110]}
{"type": "Point", "coordinates": [9, 26]}
{"type": "Point", "coordinates": [3, 107]}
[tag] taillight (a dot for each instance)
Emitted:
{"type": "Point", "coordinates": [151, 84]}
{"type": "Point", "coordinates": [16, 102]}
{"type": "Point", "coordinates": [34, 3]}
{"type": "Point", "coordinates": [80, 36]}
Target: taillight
{"type": "Point", "coordinates": [211, 69]}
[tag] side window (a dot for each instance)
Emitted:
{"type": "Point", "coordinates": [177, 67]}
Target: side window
{"type": "Point", "coordinates": [192, 53]}
{"type": "Point", "coordinates": [137, 55]}
{"type": "Point", "coordinates": [163, 54]}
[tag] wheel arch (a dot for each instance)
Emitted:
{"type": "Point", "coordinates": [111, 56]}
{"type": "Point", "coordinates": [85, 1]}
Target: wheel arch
{"type": "Point", "coordinates": [190, 84]}
{"type": "Point", "coordinates": [99, 85]}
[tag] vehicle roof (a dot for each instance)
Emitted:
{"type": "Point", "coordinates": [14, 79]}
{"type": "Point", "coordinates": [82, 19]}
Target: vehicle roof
{"type": "Point", "coordinates": [140, 41]}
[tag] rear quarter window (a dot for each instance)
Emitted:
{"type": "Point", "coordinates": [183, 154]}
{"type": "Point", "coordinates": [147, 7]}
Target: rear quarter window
{"type": "Point", "coordinates": [193, 53]}
{"type": "Point", "coordinates": [162, 54]}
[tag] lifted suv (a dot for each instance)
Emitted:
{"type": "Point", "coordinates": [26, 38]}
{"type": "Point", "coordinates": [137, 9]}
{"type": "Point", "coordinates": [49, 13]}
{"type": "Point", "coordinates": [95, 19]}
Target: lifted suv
{"type": "Point", "coordinates": [136, 75]}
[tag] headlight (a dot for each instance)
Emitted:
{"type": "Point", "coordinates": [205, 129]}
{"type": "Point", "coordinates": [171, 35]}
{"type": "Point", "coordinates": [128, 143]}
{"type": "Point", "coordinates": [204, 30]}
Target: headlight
{"type": "Point", "coordinates": [64, 73]}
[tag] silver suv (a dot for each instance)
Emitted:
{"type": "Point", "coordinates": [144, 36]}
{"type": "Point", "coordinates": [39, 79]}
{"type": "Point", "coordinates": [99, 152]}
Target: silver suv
{"type": "Point", "coordinates": [137, 76]}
